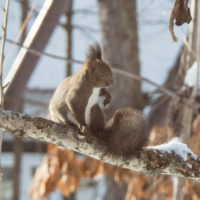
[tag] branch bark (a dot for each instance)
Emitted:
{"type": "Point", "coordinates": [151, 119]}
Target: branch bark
{"type": "Point", "coordinates": [150, 161]}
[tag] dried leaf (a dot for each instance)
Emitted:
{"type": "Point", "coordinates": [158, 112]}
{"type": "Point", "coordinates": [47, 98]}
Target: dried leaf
{"type": "Point", "coordinates": [195, 139]}
{"type": "Point", "coordinates": [181, 14]}
{"type": "Point", "coordinates": [45, 178]}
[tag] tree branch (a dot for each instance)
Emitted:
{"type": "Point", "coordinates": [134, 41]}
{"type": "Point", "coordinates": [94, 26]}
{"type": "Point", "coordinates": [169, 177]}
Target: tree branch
{"type": "Point", "coordinates": [151, 160]}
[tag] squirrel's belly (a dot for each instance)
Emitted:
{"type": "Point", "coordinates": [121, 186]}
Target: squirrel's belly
{"type": "Point", "coordinates": [93, 99]}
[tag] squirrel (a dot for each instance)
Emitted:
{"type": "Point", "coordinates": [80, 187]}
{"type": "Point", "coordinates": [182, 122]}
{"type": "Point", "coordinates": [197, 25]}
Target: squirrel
{"type": "Point", "coordinates": [80, 100]}
{"type": "Point", "coordinates": [76, 95]}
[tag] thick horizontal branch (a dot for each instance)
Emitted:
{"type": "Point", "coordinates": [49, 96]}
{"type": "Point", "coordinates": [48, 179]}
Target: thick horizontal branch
{"type": "Point", "coordinates": [151, 160]}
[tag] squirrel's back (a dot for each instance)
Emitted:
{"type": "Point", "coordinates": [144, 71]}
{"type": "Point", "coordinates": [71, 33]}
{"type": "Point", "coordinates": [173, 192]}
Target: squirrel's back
{"type": "Point", "coordinates": [128, 132]}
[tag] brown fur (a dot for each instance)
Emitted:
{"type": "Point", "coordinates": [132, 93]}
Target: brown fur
{"type": "Point", "coordinates": [126, 132]}
{"type": "Point", "coordinates": [73, 93]}
{"type": "Point", "coordinates": [106, 95]}
{"type": "Point", "coordinates": [97, 114]}
{"type": "Point", "coordinates": [94, 52]}
{"type": "Point", "coordinates": [97, 120]}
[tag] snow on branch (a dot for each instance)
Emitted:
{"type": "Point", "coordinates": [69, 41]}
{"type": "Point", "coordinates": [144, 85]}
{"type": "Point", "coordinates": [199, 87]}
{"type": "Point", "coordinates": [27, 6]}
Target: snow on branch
{"type": "Point", "coordinates": [173, 158]}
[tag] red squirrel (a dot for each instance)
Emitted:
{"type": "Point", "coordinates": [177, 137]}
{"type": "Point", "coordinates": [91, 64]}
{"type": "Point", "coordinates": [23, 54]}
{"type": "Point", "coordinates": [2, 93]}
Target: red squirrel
{"type": "Point", "coordinates": [77, 94]}
{"type": "Point", "coordinates": [80, 100]}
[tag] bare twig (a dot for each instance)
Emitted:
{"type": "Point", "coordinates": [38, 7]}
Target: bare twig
{"type": "Point", "coordinates": [42, 53]}
{"type": "Point", "coordinates": [25, 23]}
{"type": "Point", "coordinates": [162, 89]}
{"type": "Point", "coordinates": [86, 28]}
{"type": "Point", "coordinates": [130, 75]}
{"type": "Point", "coordinates": [4, 27]}
{"type": "Point", "coordinates": [84, 11]}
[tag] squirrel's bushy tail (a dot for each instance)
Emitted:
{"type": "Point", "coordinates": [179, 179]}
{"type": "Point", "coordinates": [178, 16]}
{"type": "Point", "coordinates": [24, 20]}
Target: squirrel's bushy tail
{"type": "Point", "coordinates": [127, 132]}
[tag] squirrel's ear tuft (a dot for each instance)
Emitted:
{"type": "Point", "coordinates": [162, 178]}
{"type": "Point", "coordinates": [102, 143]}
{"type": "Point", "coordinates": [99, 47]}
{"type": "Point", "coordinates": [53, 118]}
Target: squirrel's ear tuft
{"type": "Point", "coordinates": [94, 52]}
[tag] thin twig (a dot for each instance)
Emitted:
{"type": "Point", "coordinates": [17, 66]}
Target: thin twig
{"type": "Point", "coordinates": [25, 23]}
{"type": "Point", "coordinates": [42, 53]}
{"type": "Point", "coordinates": [130, 75]}
{"type": "Point", "coordinates": [162, 89]}
{"type": "Point", "coordinates": [86, 28]}
{"type": "Point", "coordinates": [4, 27]}
{"type": "Point", "coordinates": [21, 33]}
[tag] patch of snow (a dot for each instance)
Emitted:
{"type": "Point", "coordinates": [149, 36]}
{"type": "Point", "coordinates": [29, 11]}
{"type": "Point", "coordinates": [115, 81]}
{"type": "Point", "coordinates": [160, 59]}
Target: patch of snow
{"type": "Point", "coordinates": [190, 78]}
{"type": "Point", "coordinates": [176, 146]}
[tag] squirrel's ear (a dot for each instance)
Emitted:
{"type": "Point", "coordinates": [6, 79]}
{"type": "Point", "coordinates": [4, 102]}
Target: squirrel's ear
{"type": "Point", "coordinates": [94, 52]}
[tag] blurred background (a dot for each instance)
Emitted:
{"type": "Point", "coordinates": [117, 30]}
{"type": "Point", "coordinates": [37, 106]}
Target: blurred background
{"type": "Point", "coordinates": [134, 37]}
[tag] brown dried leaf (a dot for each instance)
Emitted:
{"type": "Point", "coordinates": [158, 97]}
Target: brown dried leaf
{"type": "Point", "coordinates": [91, 168]}
{"type": "Point", "coordinates": [159, 135]}
{"type": "Point", "coordinates": [195, 139]}
{"type": "Point", "coordinates": [181, 14]}
{"type": "Point", "coordinates": [60, 169]}
{"type": "Point", "coordinates": [46, 177]}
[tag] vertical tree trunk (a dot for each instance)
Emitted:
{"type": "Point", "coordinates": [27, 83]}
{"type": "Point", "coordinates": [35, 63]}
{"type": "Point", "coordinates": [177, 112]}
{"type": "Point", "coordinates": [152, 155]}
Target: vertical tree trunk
{"type": "Point", "coordinates": [16, 171]}
{"type": "Point", "coordinates": [18, 149]}
{"type": "Point", "coordinates": [120, 49]}
{"type": "Point", "coordinates": [69, 30]}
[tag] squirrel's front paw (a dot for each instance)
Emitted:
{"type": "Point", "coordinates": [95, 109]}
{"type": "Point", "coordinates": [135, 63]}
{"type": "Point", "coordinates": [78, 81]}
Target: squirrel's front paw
{"type": "Point", "coordinates": [84, 130]}
{"type": "Point", "coordinates": [85, 133]}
